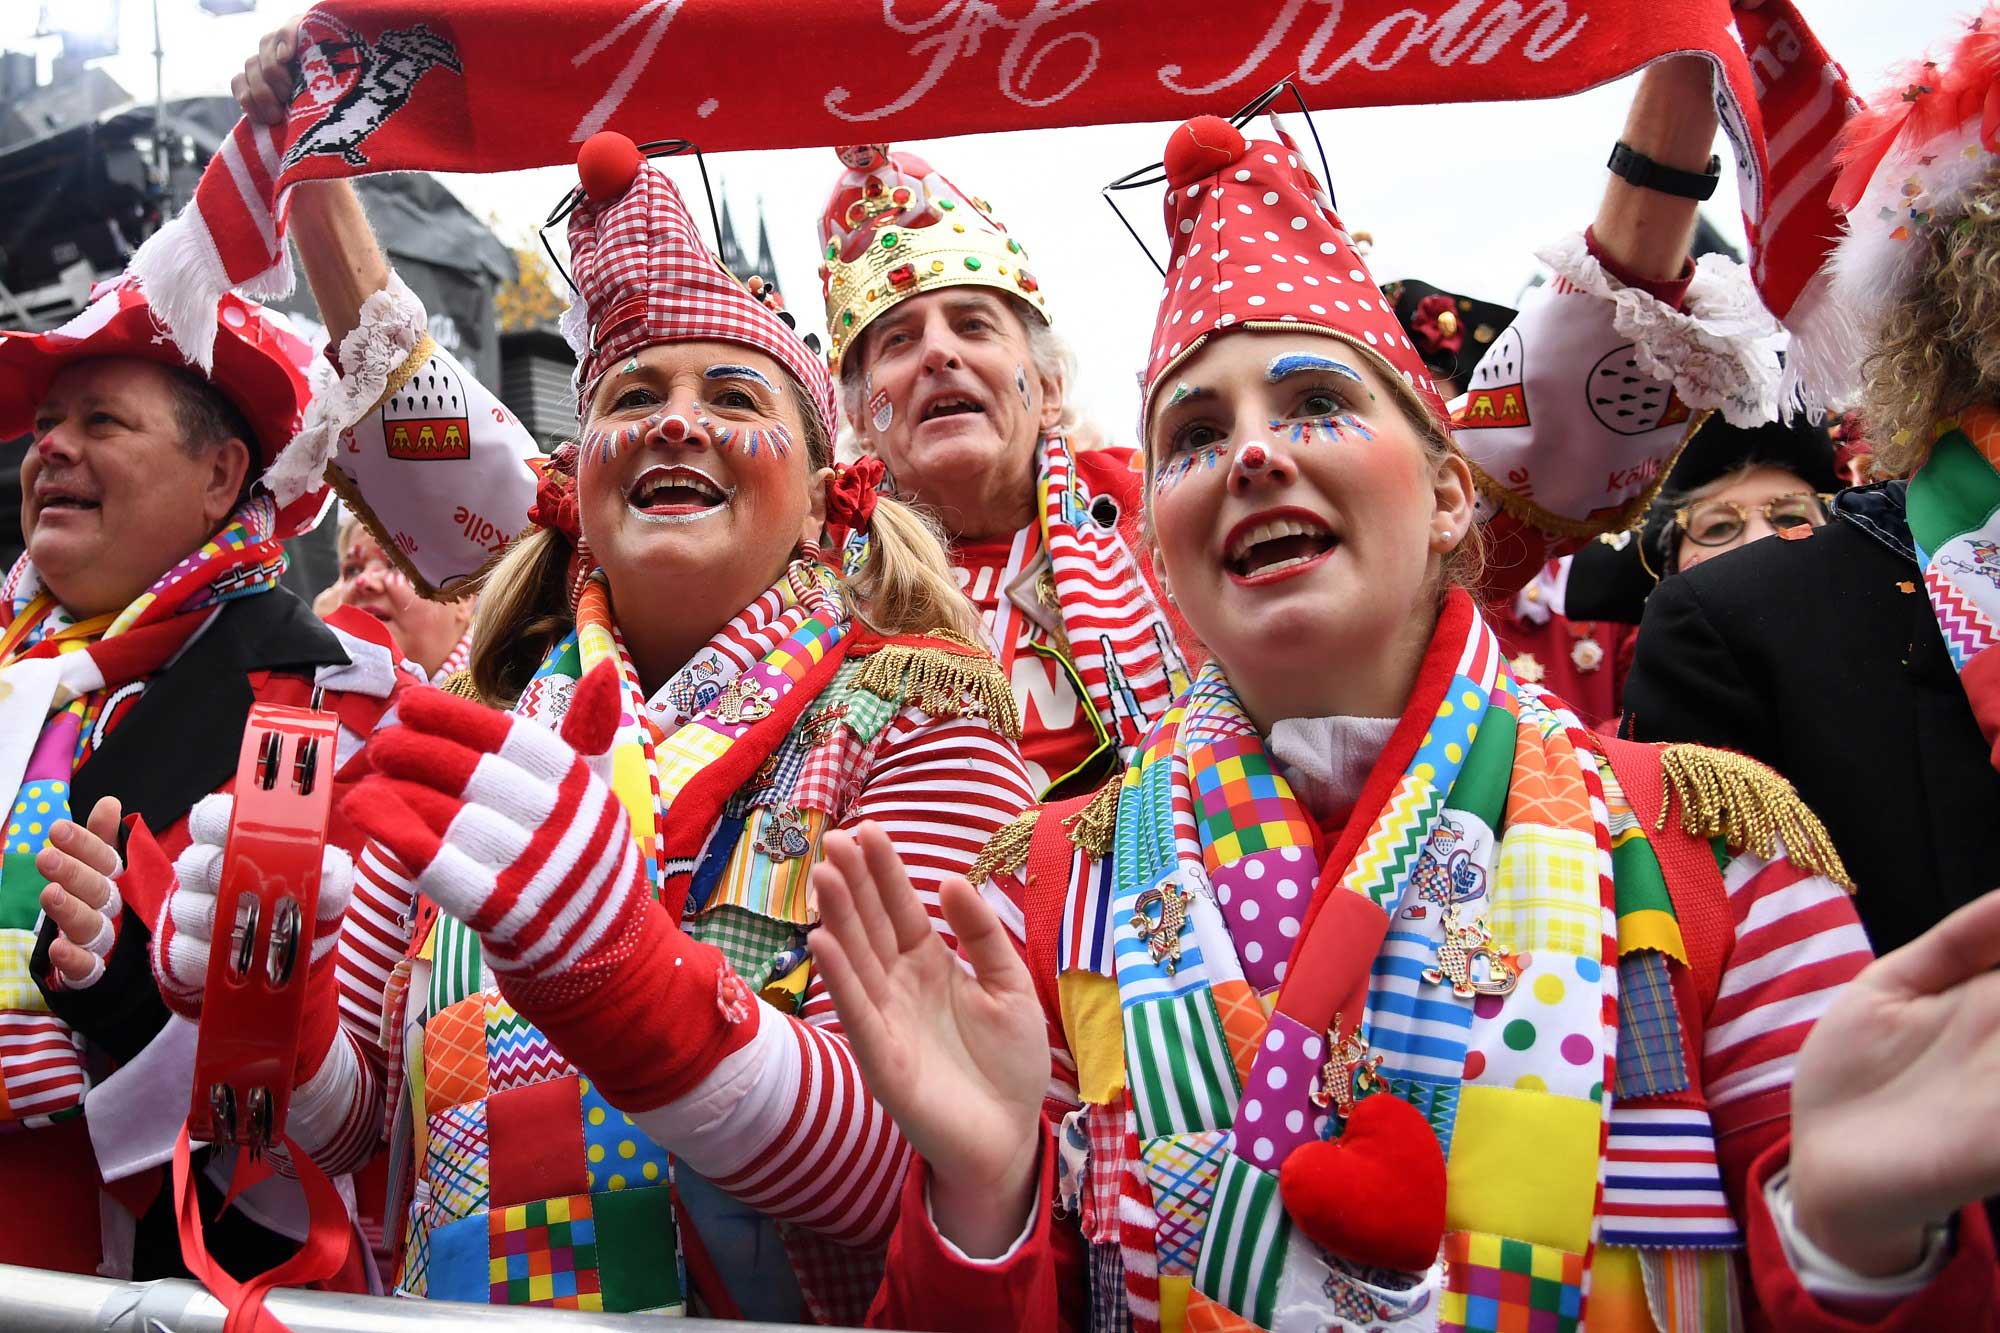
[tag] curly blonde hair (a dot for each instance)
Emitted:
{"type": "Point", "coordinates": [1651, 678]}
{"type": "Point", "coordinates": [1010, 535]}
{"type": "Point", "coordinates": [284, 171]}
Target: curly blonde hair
{"type": "Point", "coordinates": [1936, 351]}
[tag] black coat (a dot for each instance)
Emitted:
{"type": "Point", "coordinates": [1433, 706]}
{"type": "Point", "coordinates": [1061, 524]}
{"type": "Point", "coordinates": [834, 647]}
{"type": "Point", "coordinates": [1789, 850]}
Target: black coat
{"type": "Point", "coordinates": [1822, 658]}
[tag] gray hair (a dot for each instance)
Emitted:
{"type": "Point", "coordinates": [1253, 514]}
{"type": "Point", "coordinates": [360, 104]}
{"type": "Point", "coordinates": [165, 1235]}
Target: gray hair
{"type": "Point", "coordinates": [1053, 358]}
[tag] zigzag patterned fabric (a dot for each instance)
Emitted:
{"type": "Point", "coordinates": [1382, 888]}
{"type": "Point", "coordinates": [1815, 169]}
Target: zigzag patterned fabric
{"type": "Point", "coordinates": [1955, 518]}
{"type": "Point", "coordinates": [1496, 823]}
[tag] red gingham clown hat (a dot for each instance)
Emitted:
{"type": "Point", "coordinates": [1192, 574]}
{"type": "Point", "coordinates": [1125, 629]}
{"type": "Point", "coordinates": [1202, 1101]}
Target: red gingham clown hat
{"type": "Point", "coordinates": [1256, 244]}
{"type": "Point", "coordinates": [645, 276]}
{"type": "Point", "coordinates": [261, 368]}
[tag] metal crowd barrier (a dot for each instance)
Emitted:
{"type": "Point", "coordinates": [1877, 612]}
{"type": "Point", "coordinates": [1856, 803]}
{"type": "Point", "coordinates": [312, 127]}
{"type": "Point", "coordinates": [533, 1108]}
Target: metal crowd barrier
{"type": "Point", "coordinates": [33, 1300]}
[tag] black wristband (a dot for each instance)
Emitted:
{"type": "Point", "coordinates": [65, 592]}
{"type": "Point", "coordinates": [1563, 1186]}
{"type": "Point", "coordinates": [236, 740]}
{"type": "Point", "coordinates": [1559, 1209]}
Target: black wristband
{"type": "Point", "coordinates": [1642, 171]}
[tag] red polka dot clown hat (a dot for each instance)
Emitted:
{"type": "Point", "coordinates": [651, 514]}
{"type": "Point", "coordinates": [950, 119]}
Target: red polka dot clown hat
{"type": "Point", "coordinates": [1257, 245]}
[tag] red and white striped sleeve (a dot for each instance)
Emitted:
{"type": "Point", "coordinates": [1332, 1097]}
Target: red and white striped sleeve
{"type": "Point", "coordinates": [337, 1114]}
{"type": "Point", "coordinates": [1798, 941]}
{"type": "Point", "coordinates": [784, 1123]}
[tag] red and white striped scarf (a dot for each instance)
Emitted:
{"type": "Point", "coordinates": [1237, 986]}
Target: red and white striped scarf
{"type": "Point", "coordinates": [400, 85]}
{"type": "Point", "coordinates": [1119, 640]}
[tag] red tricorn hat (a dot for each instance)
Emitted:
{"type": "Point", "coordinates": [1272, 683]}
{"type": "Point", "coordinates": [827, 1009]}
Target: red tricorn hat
{"type": "Point", "coordinates": [1256, 244]}
{"type": "Point", "coordinates": [261, 368]}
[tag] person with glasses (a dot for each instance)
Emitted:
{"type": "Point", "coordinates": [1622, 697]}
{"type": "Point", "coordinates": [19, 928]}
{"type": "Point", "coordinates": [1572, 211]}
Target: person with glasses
{"type": "Point", "coordinates": [1732, 487]}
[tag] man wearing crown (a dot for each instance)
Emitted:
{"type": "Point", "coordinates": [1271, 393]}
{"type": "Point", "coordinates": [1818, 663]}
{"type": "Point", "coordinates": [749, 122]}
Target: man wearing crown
{"type": "Point", "coordinates": [952, 373]}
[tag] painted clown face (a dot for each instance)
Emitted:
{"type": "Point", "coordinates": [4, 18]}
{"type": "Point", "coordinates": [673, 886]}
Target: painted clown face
{"type": "Point", "coordinates": [1296, 517]}
{"type": "Point", "coordinates": [953, 404]}
{"type": "Point", "coordinates": [693, 479]}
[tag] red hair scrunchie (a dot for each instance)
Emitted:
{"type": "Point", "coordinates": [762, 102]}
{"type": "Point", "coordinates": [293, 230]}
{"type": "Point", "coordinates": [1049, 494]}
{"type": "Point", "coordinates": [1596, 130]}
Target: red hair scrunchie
{"type": "Point", "coordinates": [851, 493]}
{"type": "Point", "coordinates": [555, 505]}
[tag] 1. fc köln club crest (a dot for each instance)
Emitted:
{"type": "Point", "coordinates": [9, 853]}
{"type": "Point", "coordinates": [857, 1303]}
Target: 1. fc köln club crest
{"type": "Point", "coordinates": [348, 87]}
{"type": "Point", "coordinates": [426, 419]}
{"type": "Point", "coordinates": [1496, 397]}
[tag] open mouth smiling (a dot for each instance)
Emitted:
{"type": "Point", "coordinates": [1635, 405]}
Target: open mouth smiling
{"type": "Point", "coordinates": [1272, 546]}
{"type": "Point", "coordinates": [677, 494]}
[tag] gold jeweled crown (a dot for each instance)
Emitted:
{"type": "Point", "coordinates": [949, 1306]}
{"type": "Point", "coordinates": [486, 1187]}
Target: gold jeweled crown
{"type": "Point", "coordinates": [895, 228]}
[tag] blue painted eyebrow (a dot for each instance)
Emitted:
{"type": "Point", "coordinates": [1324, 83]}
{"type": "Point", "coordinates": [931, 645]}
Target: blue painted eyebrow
{"type": "Point", "coordinates": [1298, 363]}
{"type": "Point", "coordinates": [736, 373]}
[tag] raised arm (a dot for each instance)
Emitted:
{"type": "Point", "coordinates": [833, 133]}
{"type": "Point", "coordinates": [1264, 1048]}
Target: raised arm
{"type": "Point", "coordinates": [1578, 409]}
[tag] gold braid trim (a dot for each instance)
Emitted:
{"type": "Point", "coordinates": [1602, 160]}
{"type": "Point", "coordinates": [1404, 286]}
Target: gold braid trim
{"type": "Point", "coordinates": [941, 682]}
{"type": "Point", "coordinates": [460, 684]}
{"type": "Point", "coordinates": [1007, 850]}
{"type": "Point", "coordinates": [1091, 829]}
{"type": "Point", "coordinates": [1748, 806]}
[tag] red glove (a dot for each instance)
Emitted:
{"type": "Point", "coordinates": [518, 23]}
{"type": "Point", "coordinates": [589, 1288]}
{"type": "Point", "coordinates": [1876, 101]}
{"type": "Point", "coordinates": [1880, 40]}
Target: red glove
{"type": "Point", "coordinates": [505, 827]}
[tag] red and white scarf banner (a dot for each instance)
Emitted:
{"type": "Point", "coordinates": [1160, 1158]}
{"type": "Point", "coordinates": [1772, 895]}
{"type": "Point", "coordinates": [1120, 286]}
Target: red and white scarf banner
{"type": "Point", "coordinates": [496, 85]}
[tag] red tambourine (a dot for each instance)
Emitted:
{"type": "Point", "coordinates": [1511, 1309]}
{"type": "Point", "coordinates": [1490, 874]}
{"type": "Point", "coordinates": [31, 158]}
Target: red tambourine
{"type": "Point", "coordinates": [264, 913]}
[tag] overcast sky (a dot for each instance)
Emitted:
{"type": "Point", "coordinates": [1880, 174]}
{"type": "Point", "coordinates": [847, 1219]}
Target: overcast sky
{"type": "Point", "coordinates": [1460, 196]}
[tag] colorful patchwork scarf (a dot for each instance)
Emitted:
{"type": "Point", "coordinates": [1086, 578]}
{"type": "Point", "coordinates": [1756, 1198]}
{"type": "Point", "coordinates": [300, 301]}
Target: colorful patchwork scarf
{"type": "Point", "coordinates": [1461, 933]}
{"type": "Point", "coordinates": [68, 682]}
{"type": "Point", "coordinates": [674, 742]}
{"type": "Point", "coordinates": [1955, 518]}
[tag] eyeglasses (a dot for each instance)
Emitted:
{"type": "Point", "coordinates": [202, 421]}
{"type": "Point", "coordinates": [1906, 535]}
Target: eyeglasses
{"type": "Point", "coordinates": [1720, 522]}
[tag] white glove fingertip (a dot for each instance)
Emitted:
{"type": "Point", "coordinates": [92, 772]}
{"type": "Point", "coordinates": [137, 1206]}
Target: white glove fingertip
{"type": "Point", "coordinates": [208, 821]}
{"type": "Point", "coordinates": [187, 964]}
{"type": "Point", "coordinates": [88, 979]}
{"type": "Point", "coordinates": [336, 882]}
{"type": "Point", "coordinates": [199, 869]}
{"type": "Point", "coordinates": [193, 914]}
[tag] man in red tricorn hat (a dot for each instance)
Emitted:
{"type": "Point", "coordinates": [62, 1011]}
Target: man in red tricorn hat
{"type": "Point", "coordinates": [142, 622]}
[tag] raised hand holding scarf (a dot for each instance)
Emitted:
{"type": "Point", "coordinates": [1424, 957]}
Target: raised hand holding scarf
{"type": "Point", "coordinates": [398, 85]}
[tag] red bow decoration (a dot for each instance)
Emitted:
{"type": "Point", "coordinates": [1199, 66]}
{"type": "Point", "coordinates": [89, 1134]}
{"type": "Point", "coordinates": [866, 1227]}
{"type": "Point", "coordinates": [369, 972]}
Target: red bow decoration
{"type": "Point", "coordinates": [555, 495]}
{"type": "Point", "coordinates": [1437, 326]}
{"type": "Point", "coordinates": [852, 494]}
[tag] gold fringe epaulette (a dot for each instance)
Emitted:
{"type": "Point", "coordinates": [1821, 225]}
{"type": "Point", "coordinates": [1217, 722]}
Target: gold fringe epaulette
{"type": "Point", "coordinates": [1748, 806]}
{"type": "Point", "coordinates": [1092, 828]}
{"type": "Point", "coordinates": [1006, 851]}
{"type": "Point", "coordinates": [460, 684]}
{"type": "Point", "coordinates": [942, 682]}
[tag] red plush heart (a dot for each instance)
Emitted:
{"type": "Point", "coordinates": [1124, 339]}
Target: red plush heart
{"type": "Point", "coordinates": [1375, 1195]}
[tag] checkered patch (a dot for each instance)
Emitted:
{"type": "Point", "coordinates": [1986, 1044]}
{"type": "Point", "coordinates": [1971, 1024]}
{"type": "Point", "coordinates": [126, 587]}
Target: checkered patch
{"type": "Point", "coordinates": [1495, 1285]}
{"type": "Point", "coordinates": [1546, 892]}
{"type": "Point", "coordinates": [545, 1253]}
{"type": "Point", "coordinates": [1182, 1169]}
{"type": "Point", "coordinates": [456, 1152]}
{"type": "Point", "coordinates": [1651, 1058]}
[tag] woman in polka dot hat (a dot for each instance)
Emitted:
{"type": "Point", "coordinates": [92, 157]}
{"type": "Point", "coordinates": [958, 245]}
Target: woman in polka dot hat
{"type": "Point", "coordinates": [1382, 993]}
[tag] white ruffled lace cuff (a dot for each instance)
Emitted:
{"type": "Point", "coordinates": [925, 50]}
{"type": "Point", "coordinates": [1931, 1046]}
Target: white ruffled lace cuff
{"type": "Point", "coordinates": [392, 325]}
{"type": "Point", "coordinates": [1720, 351]}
